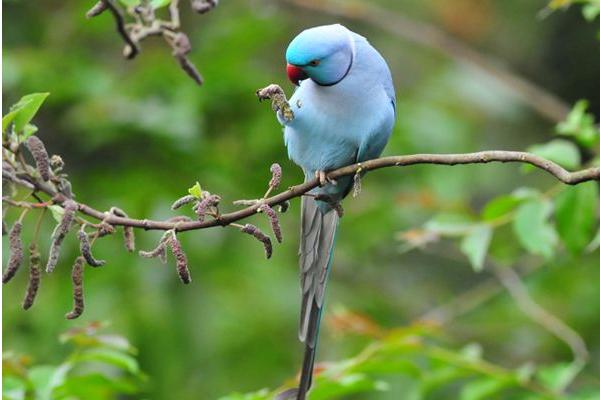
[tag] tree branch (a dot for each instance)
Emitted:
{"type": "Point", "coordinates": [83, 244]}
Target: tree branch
{"type": "Point", "coordinates": [483, 157]}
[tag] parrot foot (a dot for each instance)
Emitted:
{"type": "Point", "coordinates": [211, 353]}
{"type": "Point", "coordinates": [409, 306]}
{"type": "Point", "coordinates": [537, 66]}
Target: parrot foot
{"type": "Point", "coordinates": [279, 102]}
{"type": "Point", "coordinates": [324, 179]}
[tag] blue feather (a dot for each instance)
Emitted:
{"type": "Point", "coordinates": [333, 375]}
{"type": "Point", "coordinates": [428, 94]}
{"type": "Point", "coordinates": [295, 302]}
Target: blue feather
{"type": "Point", "coordinates": [344, 113]}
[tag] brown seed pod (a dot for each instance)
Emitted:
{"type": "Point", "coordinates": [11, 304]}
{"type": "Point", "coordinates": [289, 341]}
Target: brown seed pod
{"type": "Point", "coordinates": [181, 44]}
{"type": "Point", "coordinates": [97, 9]}
{"type": "Point", "coordinates": [77, 279]}
{"type": "Point", "coordinates": [86, 249]}
{"type": "Point", "coordinates": [264, 239]}
{"type": "Point", "coordinates": [204, 205]}
{"type": "Point", "coordinates": [160, 250]}
{"type": "Point", "coordinates": [15, 245]}
{"type": "Point", "coordinates": [180, 259]}
{"type": "Point", "coordinates": [40, 155]}
{"type": "Point", "coordinates": [128, 233]}
{"type": "Point", "coordinates": [203, 6]}
{"type": "Point", "coordinates": [103, 230]}
{"type": "Point", "coordinates": [189, 68]}
{"type": "Point", "coordinates": [60, 232]}
{"type": "Point", "coordinates": [129, 238]}
{"type": "Point", "coordinates": [34, 277]}
{"type": "Point", "coordinates": [274, 220]}
{"type": "Point", "coordinates": [183, 201]}
{"type": "Point", "coordinates": [276, 176]}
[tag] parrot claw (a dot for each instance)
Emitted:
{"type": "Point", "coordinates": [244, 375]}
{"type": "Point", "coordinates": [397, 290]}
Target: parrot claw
{"type": "Point", "coordinates": [324, 179]}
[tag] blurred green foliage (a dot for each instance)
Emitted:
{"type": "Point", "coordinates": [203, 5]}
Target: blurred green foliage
{"type": "Point", "coordinates": [99, 366]}
{"type": "Point", "coordinates": [138, 134]}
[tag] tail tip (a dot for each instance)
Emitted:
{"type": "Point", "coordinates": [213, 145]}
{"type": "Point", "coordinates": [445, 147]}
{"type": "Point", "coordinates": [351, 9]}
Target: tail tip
{"type": "Point", "coordinates": [289, 394]}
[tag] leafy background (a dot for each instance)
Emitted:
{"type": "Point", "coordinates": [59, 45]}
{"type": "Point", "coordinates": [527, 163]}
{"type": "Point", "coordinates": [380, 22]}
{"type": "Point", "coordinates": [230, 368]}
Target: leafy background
{"type": "Point", "coordinates": [138, 134]}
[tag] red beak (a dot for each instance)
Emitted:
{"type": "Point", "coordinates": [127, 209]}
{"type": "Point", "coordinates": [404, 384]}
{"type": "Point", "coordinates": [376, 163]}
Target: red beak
{"type": "Point", "coordinates": [296, 74]}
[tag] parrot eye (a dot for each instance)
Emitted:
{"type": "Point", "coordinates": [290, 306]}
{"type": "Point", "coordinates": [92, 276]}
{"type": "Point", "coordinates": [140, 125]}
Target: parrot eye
{"type": "Point", "coordinates": [314, 63]}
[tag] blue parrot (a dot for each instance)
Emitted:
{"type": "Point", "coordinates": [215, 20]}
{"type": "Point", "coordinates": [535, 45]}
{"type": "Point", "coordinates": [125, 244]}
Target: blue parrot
{"type": "Point", "coordinates": [344, 112]}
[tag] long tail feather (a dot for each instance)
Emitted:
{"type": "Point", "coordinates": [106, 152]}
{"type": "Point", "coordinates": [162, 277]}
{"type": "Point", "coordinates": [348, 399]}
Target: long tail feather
{"type": "Point", "coordinates": [319, 226]}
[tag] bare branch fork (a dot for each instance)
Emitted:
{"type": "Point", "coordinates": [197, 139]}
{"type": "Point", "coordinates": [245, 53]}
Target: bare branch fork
{"type": "Point", "coordinates": [44, 177]}
{"type": "Point", "coordinates": [147, 24]}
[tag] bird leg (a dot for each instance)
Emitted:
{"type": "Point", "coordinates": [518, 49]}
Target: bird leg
{"type": "Point", "coordinates": [324, 179]}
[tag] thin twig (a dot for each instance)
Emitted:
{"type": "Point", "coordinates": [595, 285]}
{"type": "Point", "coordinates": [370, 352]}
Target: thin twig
{"type": "Point", "coordinates": [518, 291]}
{"type": "Point", "coordinates": [133, 49]}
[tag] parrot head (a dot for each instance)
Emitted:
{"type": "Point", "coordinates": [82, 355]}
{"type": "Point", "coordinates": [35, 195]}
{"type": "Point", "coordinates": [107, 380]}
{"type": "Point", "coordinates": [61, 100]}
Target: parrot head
{"type": "Point", "coordinates": [323, 54]}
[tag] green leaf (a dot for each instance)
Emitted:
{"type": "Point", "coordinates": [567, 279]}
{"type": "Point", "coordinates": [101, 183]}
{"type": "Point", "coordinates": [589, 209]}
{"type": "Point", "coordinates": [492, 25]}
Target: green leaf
{"type": "Point", "coordinates": [95, 386]}
{"type": "Point", "coordinates": [482, 389]}
{"type": "Point", "coordinates": [159, 3]}
{"type": "Point", "coordinates": [499, 207]}
{"type": "Point", "coordinates": [108, 356]}
{"type": "Point", "coordinates": [57, 212]}
{"type": "Point", "coordinates": [449, 224]}
{"type": "Point", "coordinates": [23, 111]}
{"type": "Point", "coordinates": [558, 376]}
{"type": "Point", "coordinates": [46, 377]}
{"type": "Point", "coordinates": [532, 228]}
{"type": "Point", "coordinates": [594, 244]}
{"type": "Point", "coordinates": [576, 215]}
{"type": "Point", "coordinates": [29, 130]}
{"type": "Point", "coordinates": [561, 151]}
{"type": "Point", "coordinates": [590, 11]}
{"type": "Point", "coordinates": [475, 245]}
{"type": "Point", "coordinates": [7, 119]}
{"type": "Point", "coordinates": [196, 190]}
{"type": "Point", "coordinates": [130, 3]}
{"type": "Point", "coordinates": [260, 395]}
{"type": "Point", "coordinates": [345, 386]}
{"type": "Point", "coordinates": [580, 125]}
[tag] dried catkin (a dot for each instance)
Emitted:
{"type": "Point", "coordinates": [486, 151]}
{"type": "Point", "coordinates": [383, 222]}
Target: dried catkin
{"type": "Point", "coordinates": [34, 277]}
{"type": "Point", "coordinates": [129, 238]}
{"type": "Point", "coordinates": [86, 250]}
{"type": "Point", "coordinates": [128, 233]}
{"type": "Point", "coordinates": [97, 9]}
{"type": "Point", "coordinates": [40, 155]}
{"type": "Point", "coordinates": [77, 279]}
{"type": "Point", "coordinates": [204, 205]}
{"type": "Point", "coordinates": [181, 44]}
{"type": "Point", "coordinates": [264, 239]}
{"type": "Point", "coordinates": [189, 68]}
{"type": "Point", "coordinates": [182, 201]}
{"type": "Point", "coordinates": [160, 250]}
{"type": "Point", "coordinates": [61, 230]}
{"type": "Point", "coordinates": [274, 220]}
{"type": "Point", "coordinates": [15, 245]}
{"type": "Point", "coordinates": [276, 178]}
{"type": "Point", "coordinates": [203, 6]}
{"type": "Point", "coordinates": [180, 260]}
